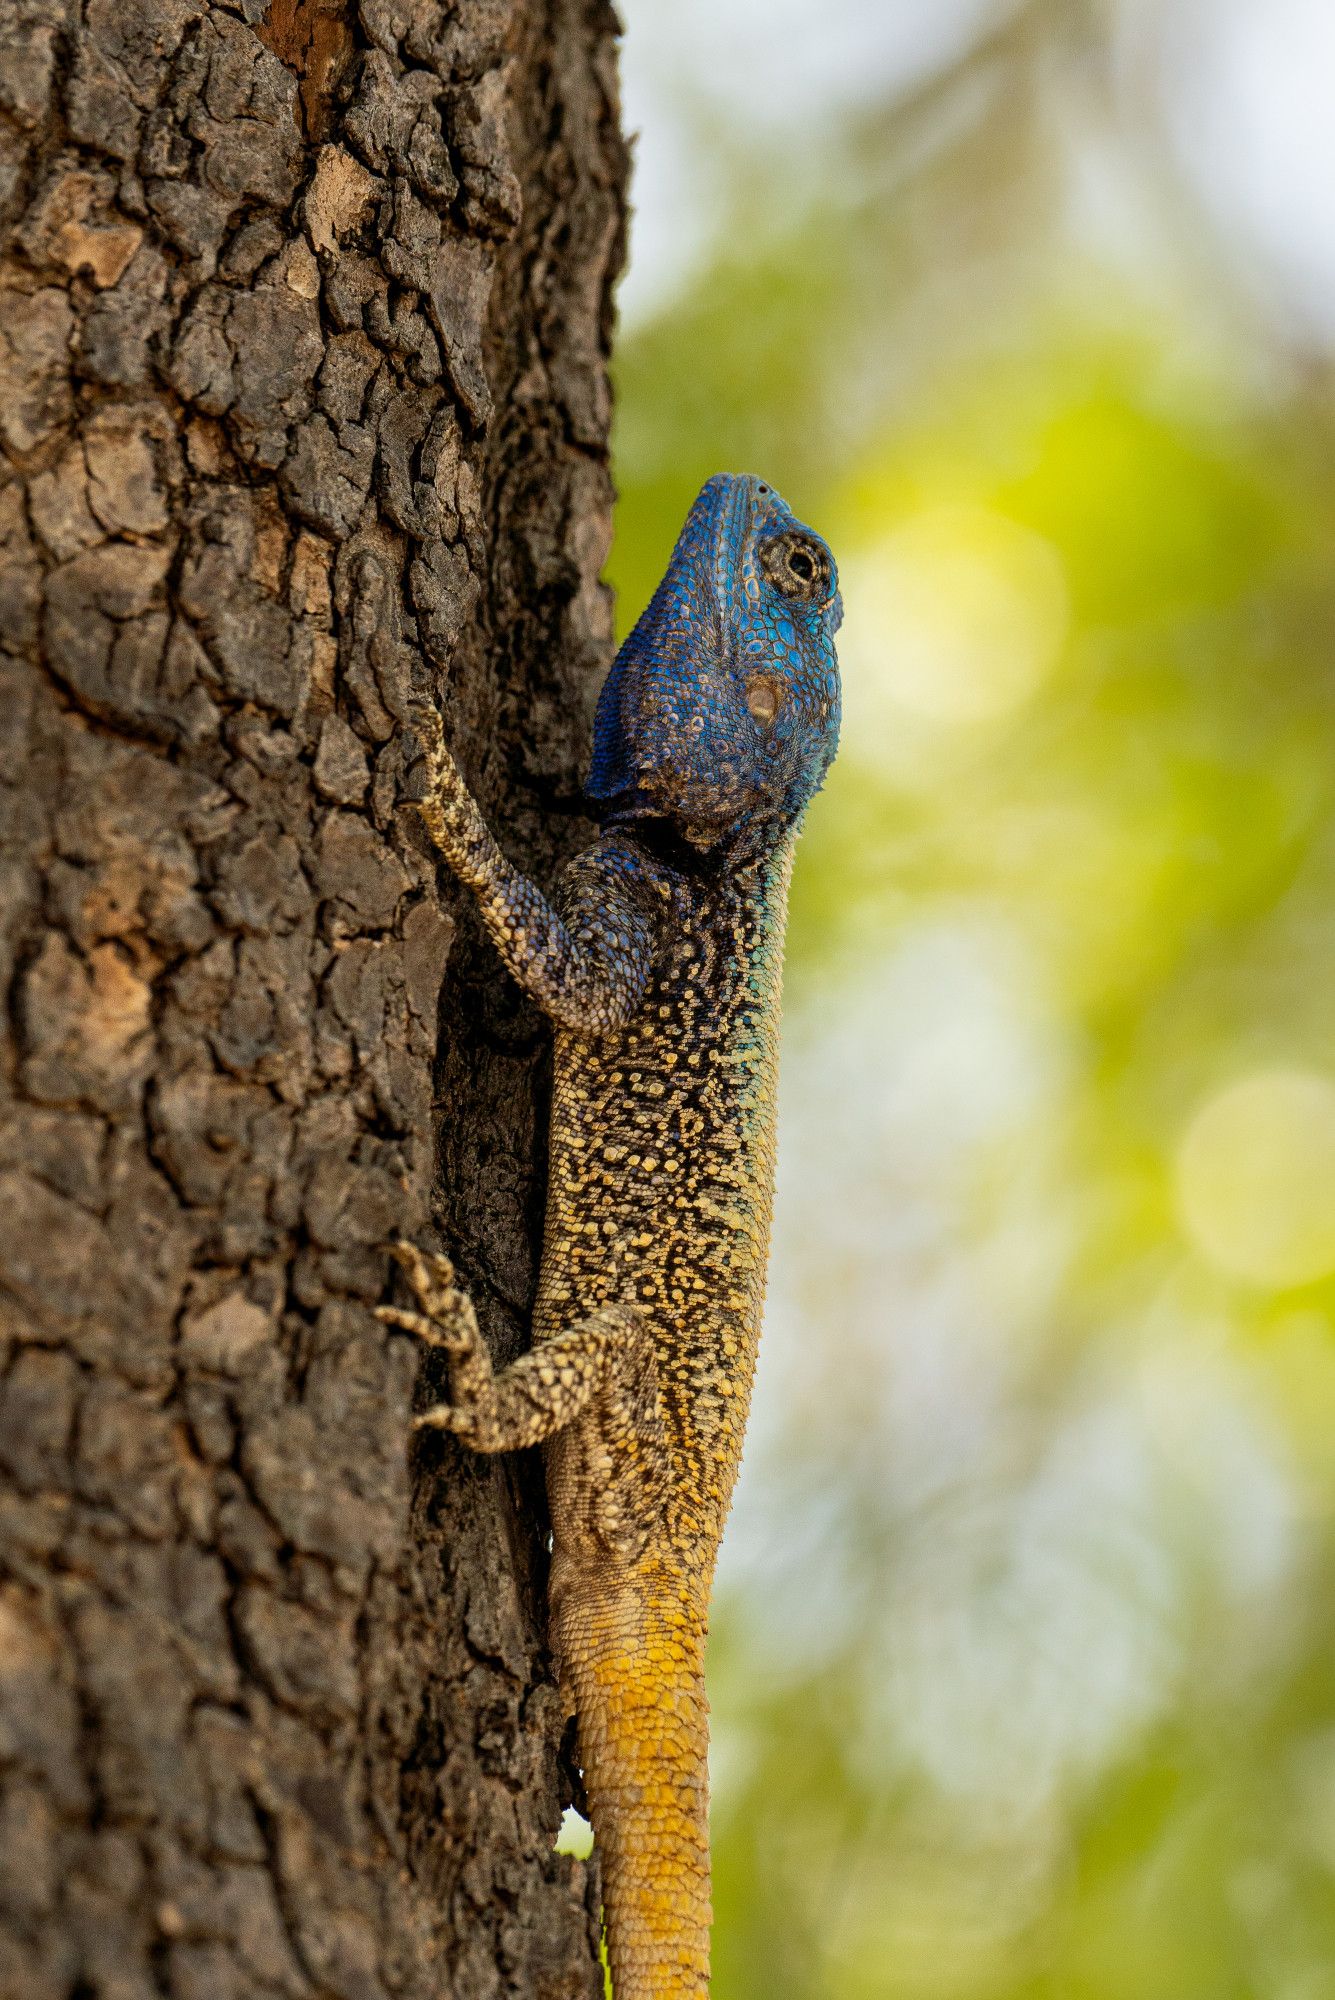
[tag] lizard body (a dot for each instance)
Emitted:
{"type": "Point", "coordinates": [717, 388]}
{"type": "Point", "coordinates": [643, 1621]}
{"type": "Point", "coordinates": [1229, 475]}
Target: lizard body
{"type": "Point", "coordinates": [660, 964]}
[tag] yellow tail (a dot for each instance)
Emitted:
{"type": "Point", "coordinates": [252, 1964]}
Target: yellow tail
{"type": "Point", "coordinates": [635, 1665]}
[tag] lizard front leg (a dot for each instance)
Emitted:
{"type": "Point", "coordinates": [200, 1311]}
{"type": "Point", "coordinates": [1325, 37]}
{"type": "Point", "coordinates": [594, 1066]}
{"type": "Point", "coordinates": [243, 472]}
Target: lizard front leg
{"type": "Point", "coordinates": [588, 967]}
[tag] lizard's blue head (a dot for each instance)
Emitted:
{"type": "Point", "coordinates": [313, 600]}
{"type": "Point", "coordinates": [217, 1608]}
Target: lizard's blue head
{"type": "Point", "coordinates": [721, 712]}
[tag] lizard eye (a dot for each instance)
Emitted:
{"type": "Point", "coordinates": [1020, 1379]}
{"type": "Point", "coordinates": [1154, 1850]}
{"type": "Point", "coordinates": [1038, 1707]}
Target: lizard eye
{"type": "Point", "coordinates": [798, 566]}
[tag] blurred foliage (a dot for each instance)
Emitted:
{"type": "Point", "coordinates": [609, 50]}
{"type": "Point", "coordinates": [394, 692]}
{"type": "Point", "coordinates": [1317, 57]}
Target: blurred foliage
{"type": "Point", "coordinates": [1023, 1676]}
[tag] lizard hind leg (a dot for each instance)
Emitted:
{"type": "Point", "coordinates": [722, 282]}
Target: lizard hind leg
{"type": "Point", "coordinates": [541, 1393]}
{"type": "Point", "coordinates": [629, 1638]}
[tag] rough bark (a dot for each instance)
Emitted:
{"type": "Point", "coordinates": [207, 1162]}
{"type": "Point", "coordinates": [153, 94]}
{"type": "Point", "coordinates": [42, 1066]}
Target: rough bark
{"type": "Point", "coordinates": [303, 322]}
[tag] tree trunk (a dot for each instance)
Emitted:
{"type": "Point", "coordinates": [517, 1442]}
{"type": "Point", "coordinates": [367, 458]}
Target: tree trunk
{"type": "Point", "coordinates": [303, 318]}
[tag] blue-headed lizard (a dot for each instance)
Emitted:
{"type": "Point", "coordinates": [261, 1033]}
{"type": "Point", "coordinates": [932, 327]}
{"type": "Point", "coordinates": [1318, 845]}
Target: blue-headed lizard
{"type": "Point", "coordinates": [659, 962]}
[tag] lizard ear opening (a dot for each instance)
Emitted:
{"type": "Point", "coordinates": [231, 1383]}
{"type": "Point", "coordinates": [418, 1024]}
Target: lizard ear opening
{"type": "Point", "coordinates": [764, 698]}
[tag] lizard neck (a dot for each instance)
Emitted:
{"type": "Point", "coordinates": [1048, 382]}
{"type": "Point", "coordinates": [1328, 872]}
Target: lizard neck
{"type": "Point", "coordinates": [705, 854]}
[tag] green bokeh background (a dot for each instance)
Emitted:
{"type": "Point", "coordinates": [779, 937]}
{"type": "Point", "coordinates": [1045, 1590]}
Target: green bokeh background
{"type": "Point", "coordinates": [1022, 1673]}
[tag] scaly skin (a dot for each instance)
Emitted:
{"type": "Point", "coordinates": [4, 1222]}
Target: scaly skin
{"type": "Point", "coordinates": [660, 965]}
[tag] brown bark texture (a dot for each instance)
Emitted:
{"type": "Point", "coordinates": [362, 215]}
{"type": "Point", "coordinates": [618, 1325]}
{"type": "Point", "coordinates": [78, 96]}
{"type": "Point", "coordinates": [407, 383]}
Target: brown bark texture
{"type": "Point", "coordinates": [304, 313]}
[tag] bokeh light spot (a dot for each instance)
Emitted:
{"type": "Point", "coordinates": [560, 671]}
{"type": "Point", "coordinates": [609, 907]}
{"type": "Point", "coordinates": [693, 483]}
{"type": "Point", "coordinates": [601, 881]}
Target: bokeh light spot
{"type": "Point", "coordinates": [1256, 1177]}
{"type": "Point", "coordinates": [958, 615]}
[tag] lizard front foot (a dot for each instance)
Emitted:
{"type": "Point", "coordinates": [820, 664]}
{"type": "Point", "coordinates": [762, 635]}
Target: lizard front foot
{"type": "Point", "coordinates": [446, 1318]}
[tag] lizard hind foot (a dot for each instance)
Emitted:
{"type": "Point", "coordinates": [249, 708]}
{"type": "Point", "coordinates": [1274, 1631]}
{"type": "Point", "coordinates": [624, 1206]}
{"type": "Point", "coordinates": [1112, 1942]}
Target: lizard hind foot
{"type": "Point", "coordinates": [446, 1318]}
{"type": "Point", "coordinates": [425, 1270]}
